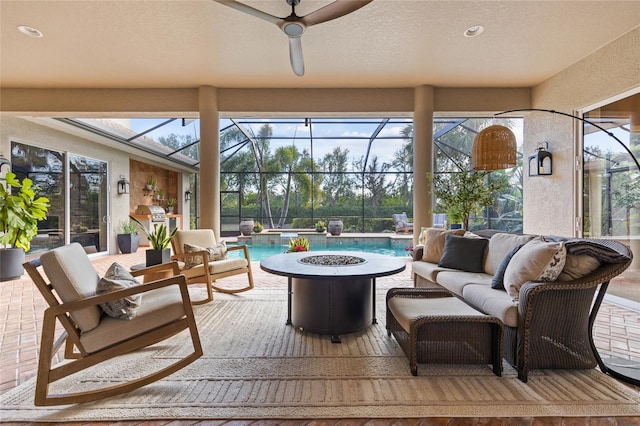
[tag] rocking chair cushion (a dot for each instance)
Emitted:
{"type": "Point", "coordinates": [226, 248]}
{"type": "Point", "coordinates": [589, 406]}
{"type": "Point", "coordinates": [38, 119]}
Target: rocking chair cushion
{"type": "Point", "coordinates": [116, 278]}
{"type": "Point", "coordinates": [73, 278]}
{"type": "Point", "coordinates": [159, 307]}
{"type": "Point", "coordinates": [216, 267]}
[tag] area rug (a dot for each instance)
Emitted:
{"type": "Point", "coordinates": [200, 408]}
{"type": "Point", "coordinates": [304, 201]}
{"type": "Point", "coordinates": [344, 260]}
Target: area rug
{"type": "Point", "coordinates": [256, 367]}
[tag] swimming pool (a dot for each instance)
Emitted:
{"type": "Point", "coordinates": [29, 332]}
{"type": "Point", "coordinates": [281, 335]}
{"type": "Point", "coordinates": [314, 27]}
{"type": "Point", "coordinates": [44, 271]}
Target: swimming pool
{"type": "Point", "coordinates": [260, 251]}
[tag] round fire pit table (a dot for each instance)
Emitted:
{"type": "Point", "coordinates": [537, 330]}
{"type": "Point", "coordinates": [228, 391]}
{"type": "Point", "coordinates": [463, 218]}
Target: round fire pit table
{"type": "Point", "coordinates": [332, 292]}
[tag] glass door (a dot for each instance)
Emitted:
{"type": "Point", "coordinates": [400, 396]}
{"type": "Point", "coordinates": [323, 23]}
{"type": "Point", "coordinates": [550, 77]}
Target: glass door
{"type": "Point", "coordinates": [45, 167]}
{"type": "Point", "coordinates": [611, 200]}
{"type": "Point", "coordinates": [88, 203]}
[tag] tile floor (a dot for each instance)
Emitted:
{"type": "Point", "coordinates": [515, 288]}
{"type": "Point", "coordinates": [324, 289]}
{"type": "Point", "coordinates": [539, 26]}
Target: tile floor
{"type": "Point", "coordinates": [617, 332]}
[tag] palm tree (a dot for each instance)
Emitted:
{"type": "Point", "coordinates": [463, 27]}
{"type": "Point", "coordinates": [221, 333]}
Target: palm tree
{"type": "Point", "coordinates": [290, 161]}
{"type": "Point", "coordinates": [260, 146]}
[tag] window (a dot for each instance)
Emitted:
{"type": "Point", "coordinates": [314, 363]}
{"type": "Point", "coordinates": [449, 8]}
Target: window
{"type": "Point", "coordinates": [611, 176]}
{"type": "Point", "coordinates": [85, 202]}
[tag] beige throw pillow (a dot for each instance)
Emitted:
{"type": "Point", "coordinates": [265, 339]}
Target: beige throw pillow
{"type": "Point", "coordinates": [434, 243]}
{"type": "Point", "coordinates": [218, 252]}
{"type": "Point", "coordinates": [537, 260]}
{"type": "Point", "coordinates": [500, 245]}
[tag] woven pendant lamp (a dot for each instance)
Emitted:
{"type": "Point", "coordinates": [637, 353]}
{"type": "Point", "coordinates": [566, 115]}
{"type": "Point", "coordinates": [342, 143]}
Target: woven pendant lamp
{"type": "Point", "coordinates": [494, 148]}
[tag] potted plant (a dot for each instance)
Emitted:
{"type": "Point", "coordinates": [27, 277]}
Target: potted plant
{"type": "Point", "coordinates": [466, 191]}
{"type": "Point", "coordinates": [298, 244]}
{"type": "Point", "coordinates": [257, 227]}
{"type": "Point", "coordinates": [320, 226]}
{"type": "Point", "coordinates": [159, 194]}
{"type": "Point", "coordinates": [159, 238]}
{"type": "Point", "coordinates": [151, 184]}
{"type": "Point", "coordinates": [171, 202]}
{"type": "Point", "coordinates": [20, 213]}
{"type": "Point", "coordinates": [128, 238]}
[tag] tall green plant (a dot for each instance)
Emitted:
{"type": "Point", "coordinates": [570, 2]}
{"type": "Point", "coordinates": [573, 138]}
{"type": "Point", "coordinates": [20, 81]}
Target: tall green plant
{"type": "Point", "coordinates": [20, 212]}
{"type": "Point", "coordinates": [467, 191]}
{"type": "Point", "coordinates": [159, 238]}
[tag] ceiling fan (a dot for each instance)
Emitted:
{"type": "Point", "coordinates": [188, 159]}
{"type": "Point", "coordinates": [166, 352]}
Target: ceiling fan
{"type": "Point", "coordinates": [293, 25]}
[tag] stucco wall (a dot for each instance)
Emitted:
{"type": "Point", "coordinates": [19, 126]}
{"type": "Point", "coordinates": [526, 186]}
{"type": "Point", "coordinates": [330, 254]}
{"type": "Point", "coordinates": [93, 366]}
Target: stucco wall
{"type": "Point", "coordinates": [28, 132]}
{"type": "Point", "coordinates": [552, 204]}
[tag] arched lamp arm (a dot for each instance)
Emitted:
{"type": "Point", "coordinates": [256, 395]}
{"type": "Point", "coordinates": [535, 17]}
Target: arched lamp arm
{"type": "Point", "coordinates": [633, 157]}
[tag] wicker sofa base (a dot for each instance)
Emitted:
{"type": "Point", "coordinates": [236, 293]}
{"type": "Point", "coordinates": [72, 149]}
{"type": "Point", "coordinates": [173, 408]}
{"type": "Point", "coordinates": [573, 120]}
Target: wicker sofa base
{"type": "Point", "coordinates": [447, 338]}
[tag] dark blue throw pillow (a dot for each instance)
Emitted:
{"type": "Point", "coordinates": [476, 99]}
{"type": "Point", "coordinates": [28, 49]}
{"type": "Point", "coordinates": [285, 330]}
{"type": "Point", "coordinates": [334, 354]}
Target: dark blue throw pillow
{"type": "Point", "coordinates": [498, 279]}
{"type": "Point", "coordinates": [465, 254]}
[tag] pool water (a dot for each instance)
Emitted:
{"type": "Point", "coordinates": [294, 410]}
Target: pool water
{"type": "Point", "coordinates": [259, 252]}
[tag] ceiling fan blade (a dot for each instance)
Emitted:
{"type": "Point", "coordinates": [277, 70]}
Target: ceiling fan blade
{"type": "Point", "coordinates": [250, 10]}
{"type": "Point", "coordinates": [295, 54]}
{"type": "Point", "coordinates": [333, 10]}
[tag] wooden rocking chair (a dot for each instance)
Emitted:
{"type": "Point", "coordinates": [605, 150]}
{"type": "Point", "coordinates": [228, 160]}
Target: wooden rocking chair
{"type": "Point", "coordinates": [90, 336]}
{"type": "Point", "coordinates": [201, 240]}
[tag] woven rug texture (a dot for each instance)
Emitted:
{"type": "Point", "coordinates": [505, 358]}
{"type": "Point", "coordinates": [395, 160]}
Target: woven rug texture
{"type": "Point", "coordinates": [256, 367]}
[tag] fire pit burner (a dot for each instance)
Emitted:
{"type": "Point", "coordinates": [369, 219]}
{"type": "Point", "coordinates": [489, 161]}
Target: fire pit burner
{"type": "Point", "coordinates": [332, 260]}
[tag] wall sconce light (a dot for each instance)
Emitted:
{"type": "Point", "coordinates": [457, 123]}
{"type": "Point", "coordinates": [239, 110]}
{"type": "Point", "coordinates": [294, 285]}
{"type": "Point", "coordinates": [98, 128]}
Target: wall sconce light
{"type": "Point", "coordinates": [540, 163]}
{"type": "Point", "coordinates": [187, 195]}
{"type": "Point", "coordinates": [123, 185]}
{"type": "Point", "coordinates": [4, 161]}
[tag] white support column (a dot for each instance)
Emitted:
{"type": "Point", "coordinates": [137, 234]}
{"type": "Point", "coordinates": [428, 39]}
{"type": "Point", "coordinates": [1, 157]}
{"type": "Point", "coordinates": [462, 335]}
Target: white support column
{"type": "Point", "coordinates": [422, 159]}
{"type": "Point", "coordinates": [209, 196]}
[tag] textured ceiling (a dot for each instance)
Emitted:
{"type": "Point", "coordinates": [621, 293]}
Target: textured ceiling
{"type": "Point", "coordinates": [388, 43]}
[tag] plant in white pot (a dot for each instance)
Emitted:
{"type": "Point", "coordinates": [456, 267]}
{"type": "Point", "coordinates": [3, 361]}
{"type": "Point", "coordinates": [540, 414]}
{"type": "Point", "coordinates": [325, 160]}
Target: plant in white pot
{"type": "Point", "coordinates": [128, 238]}
{"type": "Point", "coordinates": [159, 238]}
{"type": "Point", "coordinates": [171, 204]}
{"type": "Point", "coordinates": [20, 212]}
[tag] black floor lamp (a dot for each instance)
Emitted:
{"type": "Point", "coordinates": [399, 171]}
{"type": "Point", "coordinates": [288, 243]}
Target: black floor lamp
{"type": "Point", "coordinates": [498, 143]}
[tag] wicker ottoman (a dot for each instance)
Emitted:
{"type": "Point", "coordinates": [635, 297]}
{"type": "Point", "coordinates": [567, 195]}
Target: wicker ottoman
{"type": "Point", "coordinates": [432, 326]}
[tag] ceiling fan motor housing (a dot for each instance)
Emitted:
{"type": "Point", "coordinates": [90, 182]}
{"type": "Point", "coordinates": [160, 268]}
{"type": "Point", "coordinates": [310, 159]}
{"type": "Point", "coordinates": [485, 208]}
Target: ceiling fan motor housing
{"type": "Point", "coordinates": [293, 29]}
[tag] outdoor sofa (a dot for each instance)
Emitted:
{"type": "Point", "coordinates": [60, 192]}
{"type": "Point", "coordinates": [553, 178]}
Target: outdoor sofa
{"type": "Point", "coordinates": [548, 285]}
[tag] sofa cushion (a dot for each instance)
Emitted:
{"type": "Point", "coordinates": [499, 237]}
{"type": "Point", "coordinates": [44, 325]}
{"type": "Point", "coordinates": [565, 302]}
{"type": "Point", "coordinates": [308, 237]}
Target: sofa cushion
{"type": "Point", "coordinates": [577, 266]}
{"type": "Point", "coordinates": [465, 254]}
{"type": "Point", "coordinates": [455, 281]}
{"type": "Point", "coordinates": [497, 282]}
{"type": "Point", "coordinates": [500, 245]}
{"type": "Point", "coordinates": [72, 276]}
{"type": "Point", "coordinates": [434, 243]}
{"type": "Point", "coordinates": [427, 270]}
{"type": "Point", "coordinates": [118, 278]}
{"type": "Point", "coordinates": [538, 260]}
{"type": "Point", "coordinates": [492, 302]}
